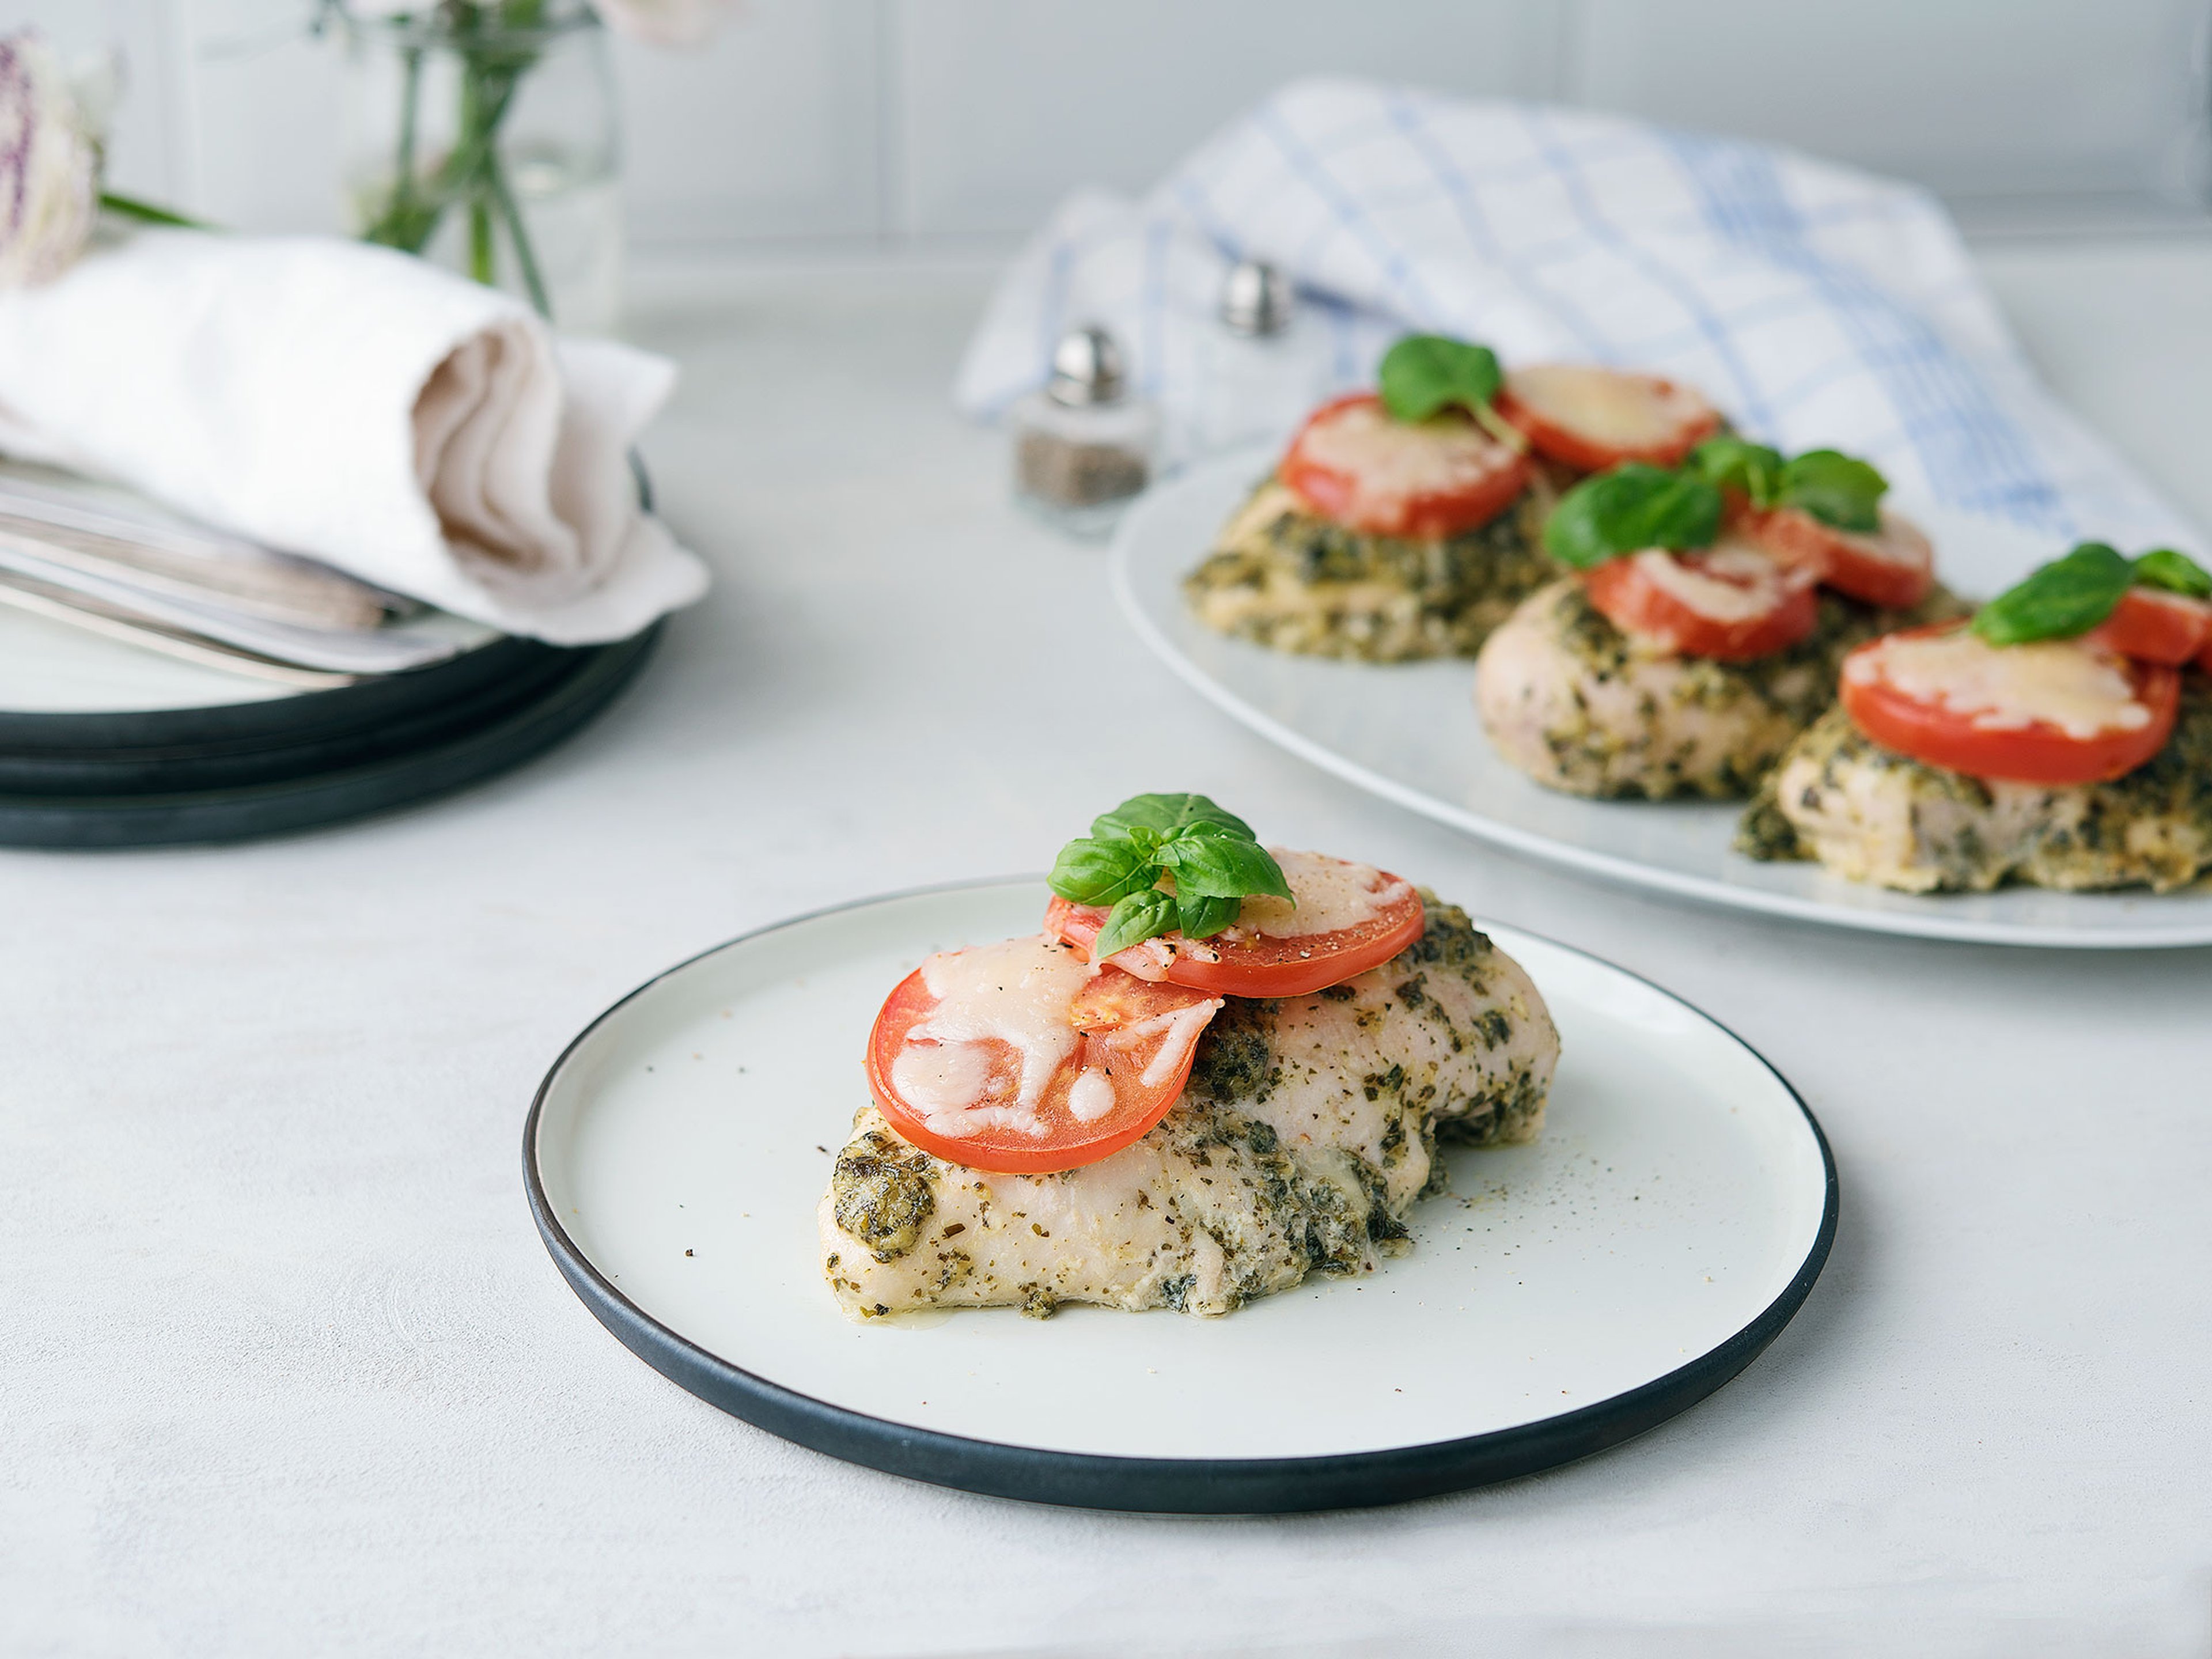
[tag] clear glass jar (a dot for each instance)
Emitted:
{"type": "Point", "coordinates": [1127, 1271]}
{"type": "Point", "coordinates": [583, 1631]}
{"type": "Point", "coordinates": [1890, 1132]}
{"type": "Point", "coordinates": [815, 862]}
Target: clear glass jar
{"type": "Point", "coordinates": [1261, 370]}
{"type": "Point", "coordinates": [492, 147]}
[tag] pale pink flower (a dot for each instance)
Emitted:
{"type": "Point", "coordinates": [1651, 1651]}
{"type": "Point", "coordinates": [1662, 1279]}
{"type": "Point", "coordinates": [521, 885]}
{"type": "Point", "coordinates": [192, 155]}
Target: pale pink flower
{"type": "Point", "coordinates": [49, 164]}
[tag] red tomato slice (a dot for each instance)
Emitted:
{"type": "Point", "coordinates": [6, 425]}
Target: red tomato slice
{"type": "Point", "coordinates": [1893, 567]}
{"type": "Point", "coordinates": [1594, 418]}
{"type": "Point", "coordinates": [1353, 463]}
{"type": "Point", "coordinates": [1731, 603]}
{"type": "Point", "coordinates": [2153, 625]}
{"type": "Point", "coordinates": [1031, 1062]}
{"type": "Point", "coordinates": [1246, 960]}
{"type": "Point", "coordinates": [1967, 708]}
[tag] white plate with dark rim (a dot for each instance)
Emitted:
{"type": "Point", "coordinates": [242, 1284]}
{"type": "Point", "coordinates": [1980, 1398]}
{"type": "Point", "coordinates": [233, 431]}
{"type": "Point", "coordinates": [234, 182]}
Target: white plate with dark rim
{"type": "Point", "coordinates": [1409, 732]}
{"type": "Point", "coordinates": [1560, 1298]}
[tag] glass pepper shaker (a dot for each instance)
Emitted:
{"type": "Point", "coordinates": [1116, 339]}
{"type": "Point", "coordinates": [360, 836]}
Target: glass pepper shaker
{"type": "Point", "coordinates": [1083, 445]}
{"type": "Point", "coordinates": [1263, 370]}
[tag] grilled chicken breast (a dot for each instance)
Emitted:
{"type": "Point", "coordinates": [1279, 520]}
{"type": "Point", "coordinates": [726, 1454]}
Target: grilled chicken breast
{"type": "Point", "coordinates": [1581, 707]}
{"type": "Point", "coordinates": [1285, 577]}
{"type": "Point", "coordinates": [1876, 816]}
{"type": "Point", "coordinates": [1309, 1128]}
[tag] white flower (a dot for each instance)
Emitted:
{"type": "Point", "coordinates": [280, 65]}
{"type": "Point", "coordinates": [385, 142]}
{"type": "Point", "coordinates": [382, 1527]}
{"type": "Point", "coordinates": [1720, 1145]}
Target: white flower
{"type": "Point", "coordinates": [668, 22]}
{"type": "Point", "coordinates": [49, 164]}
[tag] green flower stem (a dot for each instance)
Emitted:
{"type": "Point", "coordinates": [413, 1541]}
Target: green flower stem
{"type": "Point", "coordinates": [480, 247]}
{"type": "Point", "coordinates": [471, 173]}
{"type": "Point", "coordinates": [410, 110]}
{"type": "Point", "coordinates": [525, 256]}
{"type": "Point", "coordinates": [146, 213]}
{"type": "Point", "coordinates": [474, 104]}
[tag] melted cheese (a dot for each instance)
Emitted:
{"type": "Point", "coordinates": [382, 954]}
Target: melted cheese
{"type": "Point", "coordinates": [1605, 406]}
{"type": "Point", "coordinates": [2080, 689]}
{"type": "Point", "coordinates": [1730, 584]}
{"type": "Point", "coordinates": [1899, 541]}
{"type": "Point", "coordinates": [1180, 1029]}
{"type": "Point", "coordinates": [1090, 1097]}
{"type": "Point", "coordinates": [1389, 461]}
{"type": "Point", "coordinates": [1016, 993]}
{"type": "Point", "coordinates": [1331, 895]}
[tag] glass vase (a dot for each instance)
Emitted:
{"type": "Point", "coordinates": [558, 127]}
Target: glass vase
{"type": "Point", "coordinates": [483, 135]}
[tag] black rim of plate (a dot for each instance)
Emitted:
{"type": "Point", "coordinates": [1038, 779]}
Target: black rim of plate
{"type": "Point", "coordinates": [311, 801]}
{"type": "Point", "coordinates": [1183, 1485]}
{"type": "Point", "coordinates": [430, 712]}
{"type": "Point", "coordinates": [275, 720]}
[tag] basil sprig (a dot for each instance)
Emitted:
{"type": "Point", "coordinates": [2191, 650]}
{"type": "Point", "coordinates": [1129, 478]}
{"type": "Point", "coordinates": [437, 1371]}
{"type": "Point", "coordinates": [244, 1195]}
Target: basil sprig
{"type": "Point", "coordinates": [2177, 573]}
{"type": "Point", "coordinates": [1632, 507]}
{"type": "Point", "coordinates": [1739, 463]}
{"type": "Point", "coordinates": [1215, 860]}
{"type": "Point", "coordinates": [1423, 374]}
{"type": "Point", "coordinates": [1840, 490]}
{"type": "Point", "coordinates": [2070, 596]}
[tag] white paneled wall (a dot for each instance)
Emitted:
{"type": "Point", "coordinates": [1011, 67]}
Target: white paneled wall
{"type": "Point", "coordinates": [775, 132]}
{"type": "Point", "coordinates": [1002, 105]}
{"type": "Point", "coordinates": [1974, 97]}
{"type": "Point", "coordinates": [884, 122]}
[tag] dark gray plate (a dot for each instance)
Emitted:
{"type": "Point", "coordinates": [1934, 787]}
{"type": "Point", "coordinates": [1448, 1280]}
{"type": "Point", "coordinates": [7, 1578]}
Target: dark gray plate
{"type": "Point", "coordinates": [264, 769]}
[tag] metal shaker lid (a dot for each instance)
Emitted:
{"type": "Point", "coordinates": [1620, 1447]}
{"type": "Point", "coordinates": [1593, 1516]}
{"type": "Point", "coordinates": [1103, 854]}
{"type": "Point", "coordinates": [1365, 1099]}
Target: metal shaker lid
{"type": "Point", "coordinates": [1086, 368]}
{"type": "Point", "coordinates": [1256, 298]}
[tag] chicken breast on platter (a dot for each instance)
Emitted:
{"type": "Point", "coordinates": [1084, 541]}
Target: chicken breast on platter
{"type": "Point", "coordinates": [1874, 814]}
{"type": "Point", "coordinates": [1584, 708]}
{"type": "Point", "coordinates": [1282, 576]}
{"type": "Point", "coordinates": [1309, 1126]}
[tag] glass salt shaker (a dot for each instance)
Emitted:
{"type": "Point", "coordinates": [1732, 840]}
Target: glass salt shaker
{"type": "Point", "coordinates": [1083, 445]}
{"type": "Point", "coordinates": [1262, 371]}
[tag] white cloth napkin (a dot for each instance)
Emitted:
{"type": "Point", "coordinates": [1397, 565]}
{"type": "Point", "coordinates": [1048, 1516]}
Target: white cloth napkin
{"type": "Point", "coordinates": [1818, 306]}
{"type": "Point", "coordinates": [360, 407]}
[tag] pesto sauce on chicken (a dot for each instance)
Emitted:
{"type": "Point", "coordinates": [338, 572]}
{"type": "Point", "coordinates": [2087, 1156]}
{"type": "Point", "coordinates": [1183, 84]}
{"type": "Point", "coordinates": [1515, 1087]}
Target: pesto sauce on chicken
{"type": "Point", "coordinates": [1585, 708]}
{"type": "Point", "coordinates": [1284, 576]}
{"type": "Point", "coordinates": [1307, 1129]}
{"type": "Point", "coordinates": [1874, 815]}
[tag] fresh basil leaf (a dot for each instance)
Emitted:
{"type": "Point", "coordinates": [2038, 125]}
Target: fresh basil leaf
{"type": "Point", "coordinates": [1133, 919]}
{"type": "Point", "coordinates": [1100, 872]}
{"type": "Point", "coordinates": [1628, 509]}
{"type": "Point", "coordinates": [1837, 489]}
{"type": "Point", "coordinates": [1202, 917]}
{"type": "Point", "coordinates": [1236, 831]}
{"type": "Point", "coordinates": [2177, 573]}
{"type": "Point", "coordinates": [1423, 373]}
{"type": "Point", "coordinates": [1164, 816]}
{"type": "Point", "coordinates": [1223, 866]}
{"type": "Point", "coordinates": [2066, 598]}
{"type": "Point", "coordinates": [1739, 463]}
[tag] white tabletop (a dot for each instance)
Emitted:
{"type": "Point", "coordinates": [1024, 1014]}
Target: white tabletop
{"type": "Point", "coordinates": [285, 1369]}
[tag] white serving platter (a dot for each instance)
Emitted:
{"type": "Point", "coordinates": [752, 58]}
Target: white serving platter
{"type": "Point", "coordinates": [1409, 732]}
{"type": "Point", "coordinates": [1560, 1298]}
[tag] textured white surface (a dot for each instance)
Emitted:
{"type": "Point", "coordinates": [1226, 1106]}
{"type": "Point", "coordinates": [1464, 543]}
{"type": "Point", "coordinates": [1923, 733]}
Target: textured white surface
{"type": "Point", "coordinates": [287, 1370]}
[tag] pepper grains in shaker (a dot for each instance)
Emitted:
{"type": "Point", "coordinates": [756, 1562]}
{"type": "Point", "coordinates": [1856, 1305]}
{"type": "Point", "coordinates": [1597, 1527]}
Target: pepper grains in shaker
{"type": "Point", "coordinates": [1083, 446]}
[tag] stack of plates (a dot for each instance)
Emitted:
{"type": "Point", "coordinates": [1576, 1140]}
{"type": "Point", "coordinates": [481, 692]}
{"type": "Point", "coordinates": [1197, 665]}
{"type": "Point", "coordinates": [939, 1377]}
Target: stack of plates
{"type": "Point", "coordinates": [103, 744]}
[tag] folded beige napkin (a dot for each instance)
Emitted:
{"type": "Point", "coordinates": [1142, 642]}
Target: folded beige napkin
{"type": "Point", "coordinates": [360, 407]}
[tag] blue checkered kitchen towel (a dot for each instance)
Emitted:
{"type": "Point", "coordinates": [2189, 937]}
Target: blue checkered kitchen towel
{"type": "Point", "coordinates": [1816, 305]}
